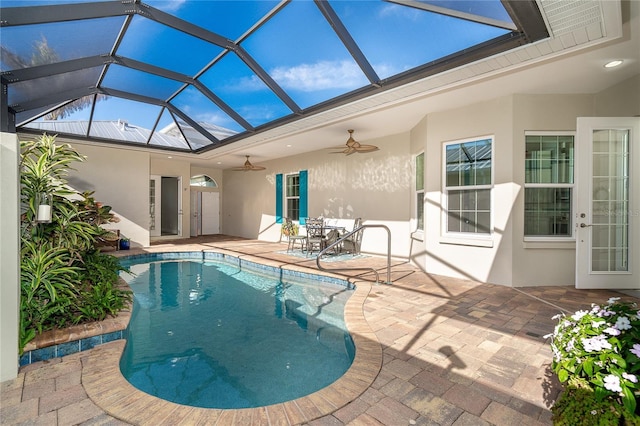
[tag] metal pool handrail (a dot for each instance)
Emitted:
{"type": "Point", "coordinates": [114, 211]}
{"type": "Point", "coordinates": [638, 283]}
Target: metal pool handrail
{"type": "Point", "coordinates": [347, 235]}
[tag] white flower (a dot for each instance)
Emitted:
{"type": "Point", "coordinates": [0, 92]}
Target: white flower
{"type": "Point", "coordinates": [612, 331]}
{"type": "Point", "coordinates": [596, 344]}
{"type": "Point", "coordinates": [612, 383]}
{"type": "Point", "coordinates": [578, 315]}
{"type": "Point", "coordinates": [612, 300]}
{"type": "Point", "coordinates": [597, 324]}
{"type": "Point", "coordinates": [630, 377]}
{"type": "Point", "coordinates": [623, 323]}
{"type": "Point", "coordinates": [635, 350]}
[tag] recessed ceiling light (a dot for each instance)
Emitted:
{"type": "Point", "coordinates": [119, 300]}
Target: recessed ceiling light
{"type": "Point", "coordinates": [219, 162]}
{"type": "Point", "coordinates": [612, 64]}
{"type": "Point", "coordinates": [169, 156]}
{"type": "Point", "coordinates": [288, 146]}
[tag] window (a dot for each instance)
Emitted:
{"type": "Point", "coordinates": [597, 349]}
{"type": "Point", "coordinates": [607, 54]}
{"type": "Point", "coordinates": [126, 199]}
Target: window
{"type": "Point", "coordinates": [420, 191]}
{"type": "Point", "coordinates": [292, 196]}
{"type": "Point", "coordinates": [468, 182]}
{"type": "Point", "coordinates": [548, 192]}
{"type": "Point", "coordinates": [203, 180]}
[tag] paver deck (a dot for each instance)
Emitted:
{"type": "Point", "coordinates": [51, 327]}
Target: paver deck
{"type": "Point", "coordinates": [433, 351]}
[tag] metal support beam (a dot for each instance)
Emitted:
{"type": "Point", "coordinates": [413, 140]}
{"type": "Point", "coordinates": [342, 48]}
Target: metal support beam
{"type": "Point", "coordinates": [270, 82]}
{"type": "Point", "coordinates": [46, 70]}
{"type": "Point", "coordinates": [344, 35]}
{"type": "Point", "coordinates": [30, 15]}
{"type": "Point", "coordinates": [429, 7]}
{"type": "Point", "coordinates": [7, 118]}
{"type": "Point", "coordinates": [193, 124]}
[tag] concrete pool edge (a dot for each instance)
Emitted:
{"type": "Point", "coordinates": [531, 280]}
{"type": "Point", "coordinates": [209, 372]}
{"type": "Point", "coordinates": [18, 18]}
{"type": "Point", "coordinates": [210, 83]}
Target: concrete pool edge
{"type": "Point", "coordinates": [109, 390]}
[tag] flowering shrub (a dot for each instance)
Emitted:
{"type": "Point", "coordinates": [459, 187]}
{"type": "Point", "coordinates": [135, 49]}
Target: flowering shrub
{"type": "Point", "coordinates": [289, 229]}
{"type": "Point", "coordinates": [599, 349]}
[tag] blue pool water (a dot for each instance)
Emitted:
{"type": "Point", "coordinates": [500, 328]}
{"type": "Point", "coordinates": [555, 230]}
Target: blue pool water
{"type": "Point", "coordinates": [209, 334]}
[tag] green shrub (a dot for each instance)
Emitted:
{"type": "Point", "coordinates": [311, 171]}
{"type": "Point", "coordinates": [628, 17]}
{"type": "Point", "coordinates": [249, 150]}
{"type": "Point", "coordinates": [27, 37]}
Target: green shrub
{"type": "Point", "coordinates": [99, 292]}
{"type": "Point", "coordinates": [63, 280]}
{"type": "Point", "coordinates": [597, 358]}
{"type": "Point", "coordinates": [577, 405]}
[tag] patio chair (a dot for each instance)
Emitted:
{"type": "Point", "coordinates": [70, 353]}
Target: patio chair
{"type": "Point", "coordinates": [290, 230]}
{"type": "Point", "coordinates": [352, 244]}
{"type": "Point", "coordinates": [315, 234]}
{"type": "Point", "coordinates": [331, 237]}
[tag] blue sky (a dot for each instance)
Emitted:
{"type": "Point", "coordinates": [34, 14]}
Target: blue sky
{"type": "Point", "coordinates": [297, 48]}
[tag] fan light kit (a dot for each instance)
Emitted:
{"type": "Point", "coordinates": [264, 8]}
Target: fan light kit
{"type": "Point", "coordinates": [248, 167]}
{"type": "Point", "coordinates": [355, 146]}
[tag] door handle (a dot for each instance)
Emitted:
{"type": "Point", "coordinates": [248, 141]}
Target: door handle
{"type": "Point", "coordinates": [584, 225]}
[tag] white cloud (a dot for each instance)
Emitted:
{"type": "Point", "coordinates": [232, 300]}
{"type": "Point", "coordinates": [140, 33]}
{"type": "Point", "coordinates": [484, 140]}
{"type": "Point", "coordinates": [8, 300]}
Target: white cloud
{"type": "Point", "coordinates": [320, 76]}
{"type": "Point", "coordinates": [170, 6]}
{"type": "Point", "coordinates": [391, 10]}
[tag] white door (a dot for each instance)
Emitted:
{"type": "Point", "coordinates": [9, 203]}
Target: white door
{"type": "Point", "coordinates": [155, 202]}
{"type": "Point", "coordinates": [608, 203]}
{"type": "Point", "coordinates": [210, 213]}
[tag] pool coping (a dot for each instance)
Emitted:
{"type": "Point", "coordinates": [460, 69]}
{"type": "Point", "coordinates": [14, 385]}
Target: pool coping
{"type": "Point", "coordinates": [109, 390]}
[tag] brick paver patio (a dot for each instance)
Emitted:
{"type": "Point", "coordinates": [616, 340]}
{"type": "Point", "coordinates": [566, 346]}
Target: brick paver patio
{"type": "Point", "coordinates": [454, 352]}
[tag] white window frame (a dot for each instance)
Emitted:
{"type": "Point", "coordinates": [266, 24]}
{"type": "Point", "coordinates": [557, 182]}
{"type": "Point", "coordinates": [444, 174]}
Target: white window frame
{"type": "Point", "coordinates": [466, 238]}
{"type": "Point", "coordinates": [286, 197]}
{"type": "Point", "coordinates": [550, 238]}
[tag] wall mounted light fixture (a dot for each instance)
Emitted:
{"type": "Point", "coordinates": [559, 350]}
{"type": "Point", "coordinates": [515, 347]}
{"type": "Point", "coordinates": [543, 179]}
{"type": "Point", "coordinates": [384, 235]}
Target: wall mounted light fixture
{"type": "Point", "coordinates": [44, 203]}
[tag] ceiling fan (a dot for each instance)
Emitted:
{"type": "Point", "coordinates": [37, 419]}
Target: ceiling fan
{"type": "Point", "coordinates": [355, 146]}
{"type": "Point", "coordinates": [248, 167]}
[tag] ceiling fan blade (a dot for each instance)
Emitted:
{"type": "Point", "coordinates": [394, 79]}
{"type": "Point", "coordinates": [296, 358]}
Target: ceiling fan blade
{"type": "Point", "coordinates": [353, 146]}
{"type": "Point", "coordinates": [366, 148]}
{"type": "Point", "coordinates": [248, 167]}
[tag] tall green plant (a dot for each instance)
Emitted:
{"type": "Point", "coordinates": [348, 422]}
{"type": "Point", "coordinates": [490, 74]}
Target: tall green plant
{"type": "Point", "coordinates": [47, 284]}
{"type": "Point", "coordinates": [54, 283]}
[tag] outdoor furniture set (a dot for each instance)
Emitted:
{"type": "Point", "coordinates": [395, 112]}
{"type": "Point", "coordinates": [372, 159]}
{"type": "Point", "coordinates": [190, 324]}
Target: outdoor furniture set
{"type": "Point", "coordinates": [321, 233]}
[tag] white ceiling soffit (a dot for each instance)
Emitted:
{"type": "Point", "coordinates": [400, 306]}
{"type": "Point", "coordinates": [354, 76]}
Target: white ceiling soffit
{"type": "Point", "coordinates": [574, 25]}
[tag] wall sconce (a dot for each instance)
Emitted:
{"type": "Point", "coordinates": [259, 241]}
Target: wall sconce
{"type": "Point", "coordinates": [44, 203]}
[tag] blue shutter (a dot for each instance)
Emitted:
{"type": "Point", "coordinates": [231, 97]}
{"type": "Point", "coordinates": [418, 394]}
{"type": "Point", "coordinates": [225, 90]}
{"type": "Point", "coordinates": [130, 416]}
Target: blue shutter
{"type": "Point", "coordinates": [304, 196]}
{"type": "Point", "coordinates": [279, 198]}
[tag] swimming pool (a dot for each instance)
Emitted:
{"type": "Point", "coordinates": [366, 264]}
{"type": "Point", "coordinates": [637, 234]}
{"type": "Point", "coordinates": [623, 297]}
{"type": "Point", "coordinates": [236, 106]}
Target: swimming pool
{"type": "Point", "coordinates": [208, 333]}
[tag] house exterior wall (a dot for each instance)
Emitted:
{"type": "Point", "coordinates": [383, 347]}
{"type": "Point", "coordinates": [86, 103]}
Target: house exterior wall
{"type": "Point", "coordinates": [542, 263]}
{"type": "Point", "coordinates": [120, 181]}
{"type": "Point", "coordinates": [621, 100]}
{"type": "Point", "coordinates": [509, 259]}
{"type": "Point", "coordinates": [374, 186]}
{"type": "Point", "coordinates": [487, 260]}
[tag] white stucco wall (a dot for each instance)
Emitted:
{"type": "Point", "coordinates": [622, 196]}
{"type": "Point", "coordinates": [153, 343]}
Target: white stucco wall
{"type": "Point", "coordinates": [621, 100]}
{"type": "Point", "coordinates": [374, 186]}
{"type": "Point", "coordinates": [542, 263]}
{"type": "Point", "coordinates": [509, 260]}
{"type": "Point", "coordinates": [487, 261]}
{"type": "Point", "coordinates": [9, 255]}
{"type": "Point", "coordinates": [120, 179]}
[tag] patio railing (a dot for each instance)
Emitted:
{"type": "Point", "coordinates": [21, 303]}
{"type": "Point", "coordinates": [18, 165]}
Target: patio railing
{"type": "Point", "coordinates": [349, 234]}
